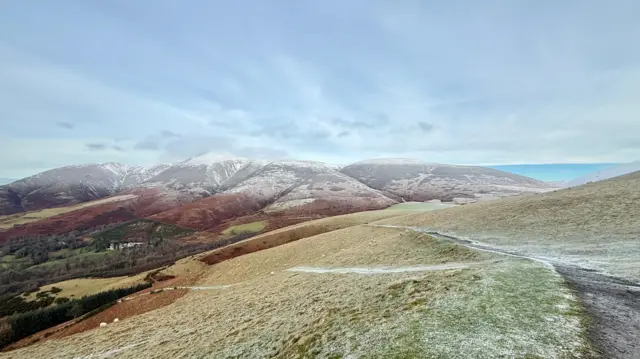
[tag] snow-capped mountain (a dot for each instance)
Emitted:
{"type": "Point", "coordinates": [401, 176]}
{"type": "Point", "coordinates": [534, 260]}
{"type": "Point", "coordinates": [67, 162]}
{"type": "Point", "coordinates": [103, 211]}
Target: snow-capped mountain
{"type": "Point", "coordinates": [6, 180]}
{"type": "Point", "coordinates": [65, 185]}
{"type": "Point", "coordinates": [606, 173]}
{"type": "Point", "coordinates": [281, 184]}
{"type": "Point", "coordinates": [414, 180]}
{"type": "Point", "coordinates": [287, 183]}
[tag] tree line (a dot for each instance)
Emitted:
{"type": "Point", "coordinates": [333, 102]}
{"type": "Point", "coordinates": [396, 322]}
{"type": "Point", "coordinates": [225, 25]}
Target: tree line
{"type": "Point", "coordinates": [18, 326]}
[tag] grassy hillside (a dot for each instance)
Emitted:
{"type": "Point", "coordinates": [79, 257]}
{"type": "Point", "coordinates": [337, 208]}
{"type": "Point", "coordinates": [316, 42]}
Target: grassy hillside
{"type": "Point", "coordinates": [420, 206]}
{"type": "Point", "coordinates": [258, 305]}
{"type": "Point", "coordinates": [9, 221]}
{"type": "Point", "coordinates": [293, 233]}
{"type": "Point", "coordinates": [595, 225]}
{"type": "Point", "coordinates": [77, 288]}
{"type": "Point", "coordinates": [253, 227]}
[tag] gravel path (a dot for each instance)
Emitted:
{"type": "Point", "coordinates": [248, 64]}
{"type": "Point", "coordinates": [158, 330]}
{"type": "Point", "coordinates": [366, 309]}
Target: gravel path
{"type": "Point", "coordinates": [360, 270]}
{"type": "Point", "coordinates": [612, 303]}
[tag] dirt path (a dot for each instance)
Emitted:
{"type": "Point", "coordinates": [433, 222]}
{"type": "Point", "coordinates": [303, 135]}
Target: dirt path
{"type": "Point", "coordinates": [362, 270]}
{"type": "Point", "coordinates": [612, 303]}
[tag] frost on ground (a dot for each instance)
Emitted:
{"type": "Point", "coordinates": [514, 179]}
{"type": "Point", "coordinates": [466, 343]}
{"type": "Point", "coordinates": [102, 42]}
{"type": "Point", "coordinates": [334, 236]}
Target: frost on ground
{"type": "Point", "coordinates": [594, 226]}
{"type": "Point", "coordinates": [501, 307]}
{"type": "Point", "coordinates": [361, 270]}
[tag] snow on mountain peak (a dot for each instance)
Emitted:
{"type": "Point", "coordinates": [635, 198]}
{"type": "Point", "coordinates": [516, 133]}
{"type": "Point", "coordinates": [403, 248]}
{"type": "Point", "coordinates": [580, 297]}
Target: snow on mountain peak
{"type": "Point", "coordinates": [210, 158]}
{"type": "Point", "coordinates": [392, 161]}
{"type": "Point", "coordinates": [301, 163]}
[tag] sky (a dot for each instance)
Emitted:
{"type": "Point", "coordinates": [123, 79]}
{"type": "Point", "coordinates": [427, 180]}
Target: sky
{"type": "Point", "coordinates": [465, 82]}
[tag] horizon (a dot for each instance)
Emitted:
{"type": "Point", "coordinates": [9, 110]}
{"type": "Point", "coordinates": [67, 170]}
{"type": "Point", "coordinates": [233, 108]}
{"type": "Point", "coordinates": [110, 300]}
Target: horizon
{"type": "Point", "coordinates": [476, 83]}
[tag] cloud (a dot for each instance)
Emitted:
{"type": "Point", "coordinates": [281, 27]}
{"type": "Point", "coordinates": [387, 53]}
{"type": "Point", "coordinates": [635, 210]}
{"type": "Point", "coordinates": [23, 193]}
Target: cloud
{"type": "Point", "coordinates": [262, 152]}
{"type": "Point", "coordinates": [65, 124]}
{"type": "Point", "coordinates": [194, 145]}
{"type": "Point", "coordinates": [147, 144]}
{"type": "Point", "coordinates": [344, 134]}
{"type": "Point", "coordinates": [96, 146]}
{"type": "Point", "coordinates": [169, 134]}
{"type": "Point", "coordinates": [117, 148]}
{"type": "Point", "coordinates": [352, 124]}
{"type": "Point", "coordinates": [425, 126]}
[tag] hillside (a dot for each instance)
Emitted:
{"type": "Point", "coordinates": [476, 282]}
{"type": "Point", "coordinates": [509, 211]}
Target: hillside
{"type": "Point", "coordinates": [69, 185]}
{"type": "Point", "coordinates": [357, 292]}
{"type": "Point", "coordinates": [595, 225]}
{"type": "Point", "coordinates": [606, 173]}
{"type": "Point", "coordinates": [414, 180]}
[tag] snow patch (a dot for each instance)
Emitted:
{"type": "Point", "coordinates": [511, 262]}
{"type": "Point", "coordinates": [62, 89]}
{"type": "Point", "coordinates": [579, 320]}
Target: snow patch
{"type": "Point", "coordinates": [211, 158]}
{"type": "Point", "coordinates": [279, 206]}
{"type": "Point", "coordinates": [392, 161]}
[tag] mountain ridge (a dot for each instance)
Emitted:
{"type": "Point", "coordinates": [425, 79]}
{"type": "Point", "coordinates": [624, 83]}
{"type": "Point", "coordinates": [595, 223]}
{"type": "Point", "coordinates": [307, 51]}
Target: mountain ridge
{"type": "Point", "coordinates": [382, 181]}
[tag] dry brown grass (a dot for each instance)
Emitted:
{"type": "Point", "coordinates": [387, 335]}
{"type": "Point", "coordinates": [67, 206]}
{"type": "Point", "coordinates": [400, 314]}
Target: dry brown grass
{"type": "Point", "coordinates": [125, 309]}
{"type": "Point", "coordinates": [270, 312]}
{"type": "Point", "coordinates": [281, 236]}
{"type": "Point", "coordinates": [9, 221]}
{"type": "Point", "coordinates": [596, 225]}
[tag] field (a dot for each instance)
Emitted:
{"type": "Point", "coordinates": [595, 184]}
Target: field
{"type": "Point", "coordinates": [77, 288]}
{"type": "Point", "coordinates": [253, 227]}
{"type": "Point", "coordinates": [431, 299]}
{"type": "Point", "coordinates": [9, 221]}
{"type": "Point", "coordinates": [292, 233]}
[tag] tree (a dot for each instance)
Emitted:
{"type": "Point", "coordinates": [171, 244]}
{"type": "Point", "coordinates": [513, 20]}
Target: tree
{"type": "Point", "coordinates": [76, 310]}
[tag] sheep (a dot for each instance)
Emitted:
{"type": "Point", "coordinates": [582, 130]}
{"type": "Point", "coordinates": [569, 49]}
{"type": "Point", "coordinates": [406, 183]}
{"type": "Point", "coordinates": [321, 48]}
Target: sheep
{"type": "Point", "coordinates": [116, 320]}
{"type": "Point", "coordinates": [103, 324]}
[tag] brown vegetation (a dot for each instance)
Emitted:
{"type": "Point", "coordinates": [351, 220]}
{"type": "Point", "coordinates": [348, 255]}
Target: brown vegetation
{"type": "Point", "coordinates": [293, 233]}
{"type": "Point", "coordinates": [145, 203]}
{"type": "Point", "coordinates": [210, 212]}
{"type": "Point", "coordinates": [81, 219]}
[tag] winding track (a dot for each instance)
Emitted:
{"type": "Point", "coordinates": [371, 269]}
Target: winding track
{"type": "Point", "coordinates": [613, 303]}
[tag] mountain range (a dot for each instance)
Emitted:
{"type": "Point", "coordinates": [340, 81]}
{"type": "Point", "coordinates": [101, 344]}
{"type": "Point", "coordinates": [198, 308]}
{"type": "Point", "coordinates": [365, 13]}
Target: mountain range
{"type": "Point", "coordinates": [282, 182]}
{"type": "Point", "coordinates": [205, 191]}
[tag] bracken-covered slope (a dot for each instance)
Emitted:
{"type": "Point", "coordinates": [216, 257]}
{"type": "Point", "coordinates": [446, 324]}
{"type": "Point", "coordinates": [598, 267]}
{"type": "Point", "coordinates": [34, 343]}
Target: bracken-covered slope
{"type": "Point", "coordinates": [414, 180]}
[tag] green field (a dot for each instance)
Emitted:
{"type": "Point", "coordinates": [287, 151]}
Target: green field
{"type": "Point", "coordinates": [253, 227]}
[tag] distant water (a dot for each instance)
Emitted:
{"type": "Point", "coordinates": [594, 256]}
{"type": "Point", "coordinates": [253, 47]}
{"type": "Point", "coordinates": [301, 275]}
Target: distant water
{"type": "Point", "coordinates": [554, 172]}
